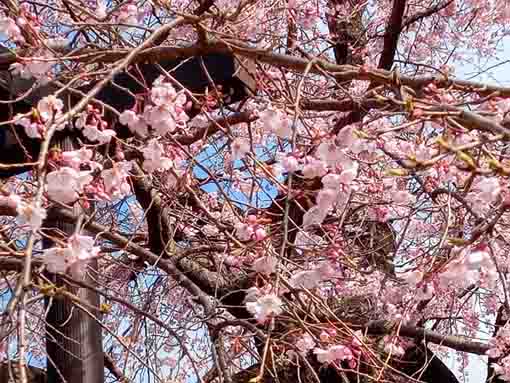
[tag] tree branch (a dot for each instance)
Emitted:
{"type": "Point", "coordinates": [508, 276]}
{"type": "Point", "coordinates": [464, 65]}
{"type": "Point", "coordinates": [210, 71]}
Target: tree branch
{"type": "Point", "coordinates": [392, 34]}
{"type": "Point", "coordinates": [421, 15]}
{"type": "Point", "coordinates": [458, 343]}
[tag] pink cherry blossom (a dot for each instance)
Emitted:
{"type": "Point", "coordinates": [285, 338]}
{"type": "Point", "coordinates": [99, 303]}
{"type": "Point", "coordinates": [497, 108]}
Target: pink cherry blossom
{"type": "Point", "coordinates": [413, 277]}
{"type": "Point", "coordinates": [308, 16]}
{"type": "Point", "coordinates": [357, 338]}
{"type": "Point", "coordinates": [93, 133]}
{"type": "Point", "coordinates": [82, 156]}
{"type": "Point", "coordinates": [32, 129]}
{"type": "Point", "coordinates": [327, 198]}
{"type": "Point", "coordinates": [79, 249]}
{"type": "Point", "coordinates": [57, 260]}
{"type": "Point", "coordinates": [101, 10]}
{"type": "Point", "coordinates": [115, 180]}
{"type": "Point", "coordinates": [310, 279]}
{"type": "Point", "coordinates": [305, 343]}
{"type": "Point", "coordinates": [502, 369]}
{"type": "Point", "coordinates": [277, 122]}
{"type": "Point", "coordinates": [37, 67]}
{"type": "Point", "coordinates": [265, 307]}
{"type": "Point", "coordinates": [259, 234]}
{"type": "Point", "coordinates": [65, 184]}
{"type": "Point", "coordinates": [265, 265]}
{"type": "Point", "coordinates": [333, 354]}
{"type": "Point", "coordinates": [424, 291]}
{"type": "Point", "coordinates": [161, 118]}
{"type": "Point", "coordinates": [477, 258]}
{"type": "Point", "coordinates": [324, 336]}
{"type": "Point", "coordinates": [83, 247]}
{"type": "Point", "coordinates": [128, 14]}
{"type": "Point", "coordinates": [239, 147]}
{"type": "Point", "coordinates": [250, 230]}
{"type": "Point", "coordinates": [244, 231]}
{"type": "Point", "coordinates": [290, 163]}
{"type": "Point", "coordinates": [392, 345]}
{"type": "Point", "coordinates": [154, 157]}
{"type": "Point", "coordinates": [314, 216]}
{"type": "Point", "coordinates": [305, 279]}
{"type": "Point", "coordinates": [163, 93]}
{"type": "Point", "coordinates": [403, 197]}
{"type": "Point", "coordinates": [340, 131]}
{"type": "Point", "coordinates": [331, 181]}
{"type": "Point", "coordinates": [489, 189]}
{"type": "Point", "coordinates": [347, 137]}
{"type": "Point", "coordinates": [422, 153]}
{"type": "Point", "coordinates": [29, 213]}
{"type": "Point", "coordinates": [349, 173]}
{"type": "Point", "coordinates": [330, 153]}
{"type": "Point", "coordinates": [210, 230]}
{"type": "Point", "coordinates": [314, 168]}
{"type": "Point", "coordinates": [9, 28]}
{"type": "Point", "coordinates": [135, 122]}
{"type": "Point", "coordinates": [50, 107]}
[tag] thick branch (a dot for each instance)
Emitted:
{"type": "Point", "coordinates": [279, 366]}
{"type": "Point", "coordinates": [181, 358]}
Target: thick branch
{"type": "Point", "coordinates": [341, 72]}
{"type": "Point", "coordinates": [381, 327]}
{"type": "Point", "coordinates": [392, 34]}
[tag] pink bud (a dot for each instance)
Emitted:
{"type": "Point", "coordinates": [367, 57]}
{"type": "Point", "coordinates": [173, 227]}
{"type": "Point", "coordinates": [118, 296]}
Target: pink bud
{"type": "Point", "coordinates": [252, 219]}
{"type": "Point", "coordinates": [260, 234]}
{"type": "Point", "coordinates": [249, 231]}
{"type": "Point", "coordinates": [324, 336]}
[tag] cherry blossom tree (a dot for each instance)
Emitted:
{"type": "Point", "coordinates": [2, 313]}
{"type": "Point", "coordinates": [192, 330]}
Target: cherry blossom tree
{"type": "Point", "coordinates": [253, 191]}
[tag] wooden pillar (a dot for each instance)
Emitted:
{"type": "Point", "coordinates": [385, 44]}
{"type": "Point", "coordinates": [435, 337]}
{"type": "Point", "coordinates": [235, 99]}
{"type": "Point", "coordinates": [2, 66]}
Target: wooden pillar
{"type": "Point", "coordinates": [73, 338]}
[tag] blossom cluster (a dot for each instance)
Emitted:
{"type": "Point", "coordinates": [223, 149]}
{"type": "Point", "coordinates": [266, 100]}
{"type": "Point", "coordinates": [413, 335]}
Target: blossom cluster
{"type": "Point", "coordinates": [332, 352]}
{"type": "Point", "coordinates": [72, 257]}
{"type": "Point", "coordinates": [472, 265]}
{"type": "Point", "coordinates": [48, 110]}
{"type": "Point", "coordinates": [165, 115]}
{"type": "Point", "coordinates": [250, 229]}
{"type": "Point", "coordinates": [263, 305]}
{"type": "Point", "coordinates": [78, 174]}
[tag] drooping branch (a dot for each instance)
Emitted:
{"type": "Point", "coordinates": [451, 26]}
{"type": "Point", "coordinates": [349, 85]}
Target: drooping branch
{"type": "Point", "coordinates": [161, 233]}
{"type": "Point", "coordinates": [195, 278]}
{"type": "Point", "coordinates": [501, 320]}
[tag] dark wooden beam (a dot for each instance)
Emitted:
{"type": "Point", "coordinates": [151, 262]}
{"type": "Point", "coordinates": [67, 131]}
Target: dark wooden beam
{"type": "Point", "coordinates": [74, 342]}
{"type": "Point", "coordinates": [225, 70]}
